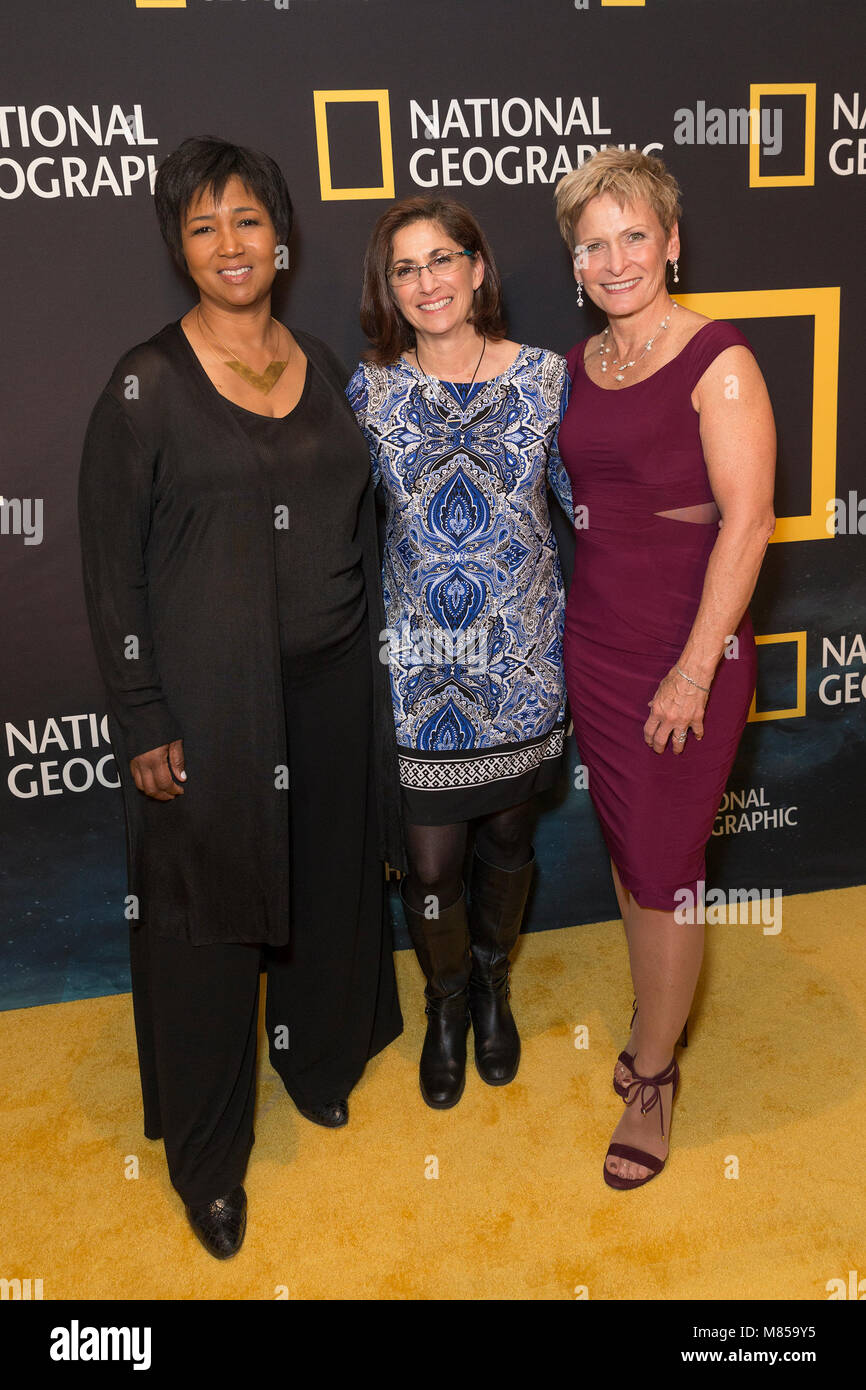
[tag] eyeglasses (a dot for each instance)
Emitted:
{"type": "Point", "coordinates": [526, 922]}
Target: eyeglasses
{"type": "Point", "coordinates": [445, 263]}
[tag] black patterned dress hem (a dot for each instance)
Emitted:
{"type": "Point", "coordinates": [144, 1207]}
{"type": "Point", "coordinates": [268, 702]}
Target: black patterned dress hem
{"type": "Point", "coordinates": [450, 788]}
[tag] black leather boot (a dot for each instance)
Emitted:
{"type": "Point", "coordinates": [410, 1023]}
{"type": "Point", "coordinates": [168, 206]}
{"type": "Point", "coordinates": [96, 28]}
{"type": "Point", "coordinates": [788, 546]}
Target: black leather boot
{"type": "Point", "coordinates": [221, 1224]}
{"type": "Point", "coordinates": [442, 947]}
{"type": "Point", "coordinates": [497, 899]}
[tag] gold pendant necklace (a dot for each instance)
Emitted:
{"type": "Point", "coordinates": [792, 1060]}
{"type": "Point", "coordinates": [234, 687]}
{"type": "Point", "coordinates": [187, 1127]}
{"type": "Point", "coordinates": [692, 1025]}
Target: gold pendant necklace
{"type": "Point", "coordinates": [260, 381]}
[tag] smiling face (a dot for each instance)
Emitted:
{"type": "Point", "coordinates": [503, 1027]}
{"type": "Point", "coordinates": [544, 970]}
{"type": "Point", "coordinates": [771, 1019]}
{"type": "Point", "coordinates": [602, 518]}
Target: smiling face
{"type": "Point", "coordinates": [623, 253]}
{"type": "Point", "coordinates": [229, 245]}
{"type": "Point", "coordinates": [434, 303]}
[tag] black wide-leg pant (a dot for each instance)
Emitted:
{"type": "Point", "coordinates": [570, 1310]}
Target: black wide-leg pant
{"type": "Point", "coordinates": [331, 992]}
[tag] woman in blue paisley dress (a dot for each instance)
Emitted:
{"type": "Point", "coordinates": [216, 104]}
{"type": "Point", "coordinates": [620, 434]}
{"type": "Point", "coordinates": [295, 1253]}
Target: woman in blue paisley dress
{"type": "Point", "coordinates": [462, 426]}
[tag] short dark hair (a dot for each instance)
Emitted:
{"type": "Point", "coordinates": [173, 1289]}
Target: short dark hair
{"type": "Point", "coordinates": [381, 319]}
{"type": "Point", "coordinates": [208, 164]}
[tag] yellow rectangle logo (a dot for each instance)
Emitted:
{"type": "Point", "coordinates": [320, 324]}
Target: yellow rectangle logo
{"type": "Point", "coordinates": [822, 305]}
{"type": "Point", "coordinates": [798, 710]}
{"type": "Point", "coordinates": [321, 101]}
{"type": "Point", "coordinates": [783, 89]}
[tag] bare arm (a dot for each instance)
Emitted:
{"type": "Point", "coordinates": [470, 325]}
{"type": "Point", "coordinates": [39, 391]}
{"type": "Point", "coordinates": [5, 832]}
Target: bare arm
{"type": "Point", "coordinates": [739, 442]}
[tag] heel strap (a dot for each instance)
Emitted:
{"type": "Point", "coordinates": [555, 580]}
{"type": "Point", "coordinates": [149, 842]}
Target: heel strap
{"type": "Point", "coordinates": [648, 1089]}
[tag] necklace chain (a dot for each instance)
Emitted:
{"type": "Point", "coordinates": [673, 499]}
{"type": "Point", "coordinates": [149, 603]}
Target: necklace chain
{"type": "Point", "coordinates": [261, 381]}
{"type": "Point", "coordinates": [605, 349]}
{"type": "Point", "coordinates": [477, 364]}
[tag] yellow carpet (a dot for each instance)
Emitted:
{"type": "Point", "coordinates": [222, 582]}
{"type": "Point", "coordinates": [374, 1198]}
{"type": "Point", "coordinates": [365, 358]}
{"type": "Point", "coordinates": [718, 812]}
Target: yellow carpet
{"type": "Point", "coordinates": [772, 1078]}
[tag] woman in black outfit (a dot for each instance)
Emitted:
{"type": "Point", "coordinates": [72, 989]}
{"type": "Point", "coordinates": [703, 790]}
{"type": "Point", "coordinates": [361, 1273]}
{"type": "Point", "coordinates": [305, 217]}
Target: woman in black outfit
{"type": "Point", "coordinates": [232, 582]}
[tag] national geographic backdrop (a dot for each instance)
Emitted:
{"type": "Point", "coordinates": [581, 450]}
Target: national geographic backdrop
{"type": "Point", "coordinates": [491, 101]}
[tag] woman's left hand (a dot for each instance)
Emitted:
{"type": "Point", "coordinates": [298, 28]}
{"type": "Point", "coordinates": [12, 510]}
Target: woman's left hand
{"type": "Point", "coordinates": [676, 707]}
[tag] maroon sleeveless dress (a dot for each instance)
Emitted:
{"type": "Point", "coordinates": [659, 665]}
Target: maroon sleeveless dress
{"type": "Point", "coordinates": [636, 589]}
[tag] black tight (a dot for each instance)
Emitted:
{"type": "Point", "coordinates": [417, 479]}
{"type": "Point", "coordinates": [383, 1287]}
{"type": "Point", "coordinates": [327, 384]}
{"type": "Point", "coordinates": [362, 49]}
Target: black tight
{"type": "Point", "coordinates": [437, 852]}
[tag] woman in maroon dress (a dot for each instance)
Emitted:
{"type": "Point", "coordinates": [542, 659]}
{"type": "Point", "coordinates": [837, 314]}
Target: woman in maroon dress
{"type": "Point", "coordinates": [670, 445]}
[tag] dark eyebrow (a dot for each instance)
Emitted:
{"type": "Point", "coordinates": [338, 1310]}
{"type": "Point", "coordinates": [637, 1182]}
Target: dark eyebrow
{"type": "Point", "coordinates": [406, 261]}
{"type": "Point", "coordinates": [209, 216]}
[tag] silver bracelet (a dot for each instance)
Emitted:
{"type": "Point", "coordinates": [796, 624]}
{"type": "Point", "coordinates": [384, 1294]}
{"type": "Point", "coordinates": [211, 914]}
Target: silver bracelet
{"type": "Point", "coordinates": [704, 688]}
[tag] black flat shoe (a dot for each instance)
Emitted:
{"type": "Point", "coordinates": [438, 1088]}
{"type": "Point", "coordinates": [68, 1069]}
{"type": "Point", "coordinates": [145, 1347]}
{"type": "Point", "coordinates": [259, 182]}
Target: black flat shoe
{"type": "Point", "coordinates": [221, 1224]}
{"type": "Point", "coordinates": [332, 1115]}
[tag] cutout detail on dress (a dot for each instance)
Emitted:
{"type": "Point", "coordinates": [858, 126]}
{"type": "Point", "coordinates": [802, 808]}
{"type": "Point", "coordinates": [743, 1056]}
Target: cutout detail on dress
{"type": "Point", "coordinates": [702, 514]}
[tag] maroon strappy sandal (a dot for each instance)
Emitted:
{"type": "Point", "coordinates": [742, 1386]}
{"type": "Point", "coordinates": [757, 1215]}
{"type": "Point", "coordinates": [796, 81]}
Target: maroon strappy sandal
{"type": "Point", "coordinates": [627, 1059]}
{"type": "Point", "coordinates": [648, 1089]}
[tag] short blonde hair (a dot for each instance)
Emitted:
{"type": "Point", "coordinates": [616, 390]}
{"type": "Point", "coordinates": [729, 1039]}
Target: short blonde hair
{"type": "Point", "coordinates": [628, 176]}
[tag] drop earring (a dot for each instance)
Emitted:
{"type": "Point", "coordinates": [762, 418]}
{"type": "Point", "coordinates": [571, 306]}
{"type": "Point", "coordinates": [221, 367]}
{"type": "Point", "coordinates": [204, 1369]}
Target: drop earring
{"type": "Point", "coordinates": [676, 272]}
{"type": "Point", "coordinates": [580, 294]}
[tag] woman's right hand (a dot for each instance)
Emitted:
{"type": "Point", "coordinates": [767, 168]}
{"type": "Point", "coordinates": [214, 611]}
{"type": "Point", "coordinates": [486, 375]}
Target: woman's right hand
{"type": "Point", "coordinates": [152, 771]}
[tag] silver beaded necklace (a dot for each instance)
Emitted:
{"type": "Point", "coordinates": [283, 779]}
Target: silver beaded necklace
{"type": "Point", "coordinates": [605, 349]}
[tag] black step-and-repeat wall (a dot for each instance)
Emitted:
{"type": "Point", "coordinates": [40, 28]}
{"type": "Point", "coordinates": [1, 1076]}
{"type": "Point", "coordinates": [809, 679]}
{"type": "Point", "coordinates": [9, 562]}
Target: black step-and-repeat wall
{"type": "Point", "coordinates": [490, 101]}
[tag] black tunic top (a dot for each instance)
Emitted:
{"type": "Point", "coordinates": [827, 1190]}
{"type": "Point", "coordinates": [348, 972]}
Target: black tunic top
{"type": "Point", "coordinates": [317, 478]}
{"type": "Point", "coordinates": [179, 555]}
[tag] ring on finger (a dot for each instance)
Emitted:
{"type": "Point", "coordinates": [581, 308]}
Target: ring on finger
{"type": "Point", "coordinates": [681, 738]}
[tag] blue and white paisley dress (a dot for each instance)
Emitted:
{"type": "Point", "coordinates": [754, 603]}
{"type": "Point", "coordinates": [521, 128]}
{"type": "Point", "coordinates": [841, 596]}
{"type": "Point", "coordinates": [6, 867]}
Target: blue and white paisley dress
{"type": "Point", "coordinates": [473, 589]}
